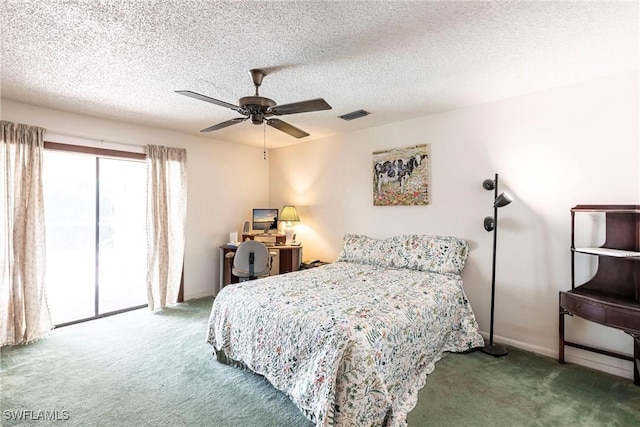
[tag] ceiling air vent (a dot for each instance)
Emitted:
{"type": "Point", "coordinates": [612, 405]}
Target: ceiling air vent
{"type": "Point", "coordinates": [354, 115]}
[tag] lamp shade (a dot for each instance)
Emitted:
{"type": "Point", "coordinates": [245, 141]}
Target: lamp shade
{"type": "Point", "coordinates": [489, 184]}
{"type": "Point", "coordinates": [289, 214]}
{"type": "Point", "coordinates": [502, 200]}
{"type": "Point", "coordinates": [489, 223]}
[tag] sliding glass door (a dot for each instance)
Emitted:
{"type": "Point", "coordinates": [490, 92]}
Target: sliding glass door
{"type": "Point", "coordinates": [122, 238]}
{"type": "Point", "coordinates": [69, 200]}
{"type": "Point", "coordinates": [96, 240]}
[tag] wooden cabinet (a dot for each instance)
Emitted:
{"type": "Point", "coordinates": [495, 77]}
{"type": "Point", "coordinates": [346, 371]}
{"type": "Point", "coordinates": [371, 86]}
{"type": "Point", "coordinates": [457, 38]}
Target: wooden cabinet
{"type": "Point", "coordinates": [612, 296]}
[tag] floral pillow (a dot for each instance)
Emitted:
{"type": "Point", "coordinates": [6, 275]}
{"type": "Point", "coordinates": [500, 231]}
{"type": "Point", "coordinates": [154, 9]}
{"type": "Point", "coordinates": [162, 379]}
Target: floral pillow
{"type": "Point", "coordinates": [438, 254]}
{"type": "Point", "coordinates": [366, 250]}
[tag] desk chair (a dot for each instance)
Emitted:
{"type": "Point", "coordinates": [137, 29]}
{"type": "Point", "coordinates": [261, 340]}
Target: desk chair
{"type": "Point", "coordinates": [251, 260]}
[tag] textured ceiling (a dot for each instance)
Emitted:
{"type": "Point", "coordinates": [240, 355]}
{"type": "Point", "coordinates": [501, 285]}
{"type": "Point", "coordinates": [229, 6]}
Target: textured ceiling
{"type": "Point", "coordinates": [123, 60]}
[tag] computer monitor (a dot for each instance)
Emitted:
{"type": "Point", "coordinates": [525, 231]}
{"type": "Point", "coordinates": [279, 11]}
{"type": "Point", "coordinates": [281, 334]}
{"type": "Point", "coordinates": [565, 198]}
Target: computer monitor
{"type": "Point", "coordinates": [264, 219]}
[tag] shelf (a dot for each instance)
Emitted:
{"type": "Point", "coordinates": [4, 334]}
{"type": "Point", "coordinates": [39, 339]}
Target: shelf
{"type": "Point", "coordinates": [612, 296]}
{"type": "Point", "coordinates": [607, 208]}
{"type": "Point", "coordinates": [606, 298]}
{"type": "Point", "coordinates": [616, 253]}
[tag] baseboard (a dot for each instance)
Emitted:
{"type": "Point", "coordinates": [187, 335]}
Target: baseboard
{"type": "Point", "coordinates": [610, 365]}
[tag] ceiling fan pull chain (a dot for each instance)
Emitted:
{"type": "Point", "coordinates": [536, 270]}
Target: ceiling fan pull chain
{"type": "Point", "coordinates": [264, 140]}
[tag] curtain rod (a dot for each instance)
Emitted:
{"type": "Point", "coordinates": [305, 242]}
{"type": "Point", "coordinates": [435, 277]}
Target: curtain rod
{"type": "Point", "coordinates": [92, 142]}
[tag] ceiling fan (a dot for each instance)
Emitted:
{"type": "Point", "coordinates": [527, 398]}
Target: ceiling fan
{"type": "Point", "coordinates": [259, 108]}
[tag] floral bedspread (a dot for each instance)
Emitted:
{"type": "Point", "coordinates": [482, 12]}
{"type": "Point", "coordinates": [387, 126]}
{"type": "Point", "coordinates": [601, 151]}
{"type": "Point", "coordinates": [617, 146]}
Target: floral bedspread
{"type": "Point", "coordinates": [350, 344]}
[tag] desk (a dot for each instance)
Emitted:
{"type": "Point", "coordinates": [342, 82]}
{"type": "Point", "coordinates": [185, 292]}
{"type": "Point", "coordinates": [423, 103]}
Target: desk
{"type": "Point", "coordinates": [287, 260]}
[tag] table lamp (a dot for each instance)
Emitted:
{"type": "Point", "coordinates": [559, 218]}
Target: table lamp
{"type": "Point", "coordinates": [289, 215]}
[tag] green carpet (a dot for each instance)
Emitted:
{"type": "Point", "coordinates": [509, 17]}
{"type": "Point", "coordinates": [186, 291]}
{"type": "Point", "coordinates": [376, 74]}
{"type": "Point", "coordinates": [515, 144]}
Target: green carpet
{"type": "Point", "coordinates": [143, 369]}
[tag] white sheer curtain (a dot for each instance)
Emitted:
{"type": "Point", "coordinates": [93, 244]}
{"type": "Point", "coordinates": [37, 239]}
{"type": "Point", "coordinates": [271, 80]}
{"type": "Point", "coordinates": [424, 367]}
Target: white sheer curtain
{"type": "Point", "coordinates": [166, 223]}
{"type": "Point", "coordinates": [24, 313]}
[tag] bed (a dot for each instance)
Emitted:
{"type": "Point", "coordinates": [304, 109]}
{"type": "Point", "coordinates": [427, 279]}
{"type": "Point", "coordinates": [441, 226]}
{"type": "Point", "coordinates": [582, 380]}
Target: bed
{"type": "Point", "coordinates": [352, 342]}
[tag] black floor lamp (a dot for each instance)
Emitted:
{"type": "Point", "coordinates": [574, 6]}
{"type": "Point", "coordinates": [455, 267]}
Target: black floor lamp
{"type": "Point", "coordinates": [491, 224]}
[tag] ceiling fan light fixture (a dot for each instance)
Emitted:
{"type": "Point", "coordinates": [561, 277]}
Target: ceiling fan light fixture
{"type": "Point", "coordinates": [257, 118]}
{"type": "Point", "coordinates": [354, 115]}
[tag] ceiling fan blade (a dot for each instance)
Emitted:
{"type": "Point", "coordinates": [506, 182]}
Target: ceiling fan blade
{"type": "Point", "coordinates": [287, 128]}
{"type": "Point", "coordinates": [317, 104]}
{"type": "Point", "coordinates": [195, 95]}
{"type": "Point", "coordinates": [225, 124]}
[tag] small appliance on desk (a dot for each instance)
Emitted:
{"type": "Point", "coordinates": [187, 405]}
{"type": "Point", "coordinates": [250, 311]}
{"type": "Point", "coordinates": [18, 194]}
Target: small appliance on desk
{"type": "Point", "coordinates": [233, 239]}
{"type": "Point", "coordinates": [294, 242]}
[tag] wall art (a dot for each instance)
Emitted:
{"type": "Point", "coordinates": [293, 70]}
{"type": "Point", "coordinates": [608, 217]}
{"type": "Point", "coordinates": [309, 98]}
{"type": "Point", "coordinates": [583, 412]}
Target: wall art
{"type": "Point", "coordinates": [401, 176]}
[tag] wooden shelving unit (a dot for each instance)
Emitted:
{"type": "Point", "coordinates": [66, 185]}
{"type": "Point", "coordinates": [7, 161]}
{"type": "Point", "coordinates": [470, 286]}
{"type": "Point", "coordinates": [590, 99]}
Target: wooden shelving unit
{"type": "Point", "coordinates": [612, 296]}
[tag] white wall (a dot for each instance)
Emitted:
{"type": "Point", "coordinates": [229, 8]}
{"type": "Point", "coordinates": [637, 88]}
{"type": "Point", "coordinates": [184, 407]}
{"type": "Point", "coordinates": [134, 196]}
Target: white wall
{"type": "Point", "coordinates": [572, 145]}
{"type": "Point", "coordinates": [219, 197]}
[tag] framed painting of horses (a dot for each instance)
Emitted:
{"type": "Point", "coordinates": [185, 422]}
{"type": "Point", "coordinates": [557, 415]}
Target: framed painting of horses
{"type": "Point", "coordinates": [401, 176]}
